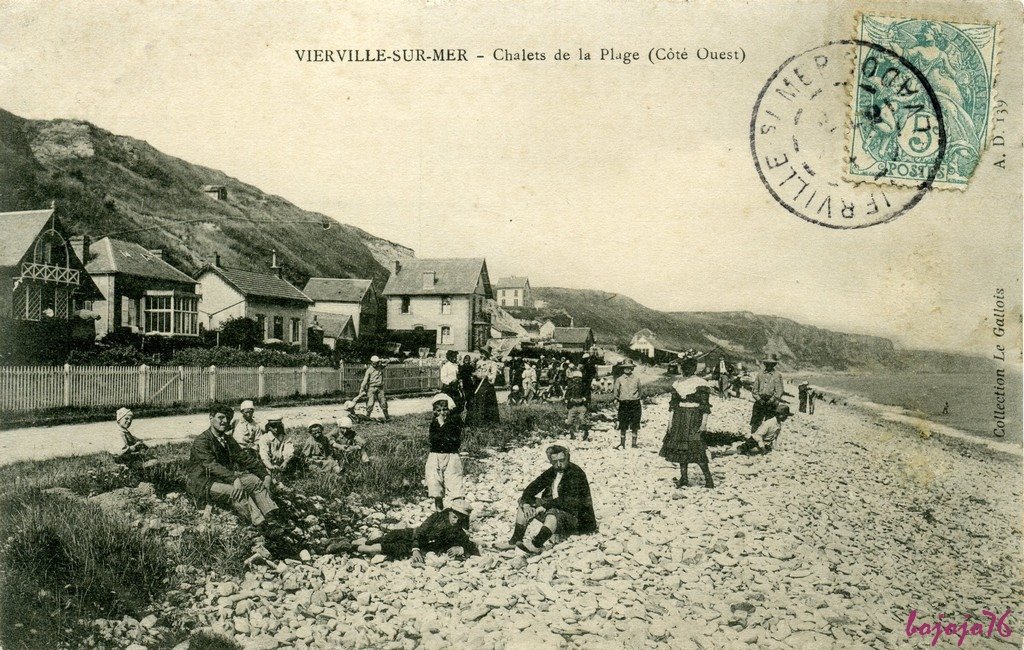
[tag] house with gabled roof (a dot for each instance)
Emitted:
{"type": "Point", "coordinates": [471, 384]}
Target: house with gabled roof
{"type": "Point", "coordinates": [142, 293]}
{"type": "Point", "coordinates": [46, 291]}
{"type": "Point", "coordinates": [513, 291]}
{"type": "Point", "coordinates": [573, 339]}
{"type": "Point", "coordinates": [448, 296]}
{"type": "Point", "coordinates": [334, 297]}
{"type": "Point", "coordinates": [280, 308]}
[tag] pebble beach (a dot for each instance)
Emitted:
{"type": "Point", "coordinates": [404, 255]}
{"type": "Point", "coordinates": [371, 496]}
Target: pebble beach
{"type": "Point", "coordinates": [830, 541]}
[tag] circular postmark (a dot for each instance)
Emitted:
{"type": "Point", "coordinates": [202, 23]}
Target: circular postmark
{"type": "Point", "coordinates": [803, 119]}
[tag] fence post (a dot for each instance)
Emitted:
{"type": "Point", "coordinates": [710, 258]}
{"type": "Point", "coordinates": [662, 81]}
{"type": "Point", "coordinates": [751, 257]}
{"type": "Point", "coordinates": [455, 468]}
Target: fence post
{"type": "Point", "coordinates": [261, 383]}
{"type": "Point", "coordinates": [143, 383]}
{"type": "Point", "coordinates": [213, 383]}
{"type": "Point", "coordinates": [341, 376]}
{"type": "Point", "coordinates": [67, 384]}
{"type": "Point", "coordinates": [303, 380]}
{"type": "Point", "coordinates": [181, 384]}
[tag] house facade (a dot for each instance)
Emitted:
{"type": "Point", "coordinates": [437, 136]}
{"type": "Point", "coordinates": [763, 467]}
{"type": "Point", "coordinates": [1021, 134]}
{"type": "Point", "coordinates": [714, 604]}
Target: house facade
{"type": "Point", "coordinates": [357, 299]}
{"type": "Point", "coordinates": [46, 291]}
{"type": "Point", "coordinates": [448, 296]}
{"type": "Point", "coordinates": [573, 339]}
{"type": "Point", "coordinates": [644, 342]}
{"type": "Point", "coordinates": [142, 293]}
{"type": "Point", "coordinates": [513, 291]}
{"type": "Point", "coordinates": [281, 310]}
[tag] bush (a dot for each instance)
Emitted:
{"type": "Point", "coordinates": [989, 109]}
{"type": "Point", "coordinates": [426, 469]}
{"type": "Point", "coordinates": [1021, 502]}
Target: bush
{"type": "Point", "coordinates": [121, 355]}
{"type": "Point", "coordinates": [230, 357]}
{"type": "Point", "coordinates": [66, 560]}
{"type": "Point", "coordinates": [241, 333]}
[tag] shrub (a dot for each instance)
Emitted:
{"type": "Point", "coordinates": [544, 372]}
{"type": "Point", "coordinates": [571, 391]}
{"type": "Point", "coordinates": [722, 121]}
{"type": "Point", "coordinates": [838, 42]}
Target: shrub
{"type": "Point", "coordinates": [66, 560]}
{"type": "Point", "coordinates": [241, 333]}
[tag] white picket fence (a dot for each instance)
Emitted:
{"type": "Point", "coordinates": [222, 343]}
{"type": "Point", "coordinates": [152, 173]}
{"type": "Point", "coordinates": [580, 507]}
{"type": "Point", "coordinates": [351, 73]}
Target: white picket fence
{"type": "Point", "coordinates": [29, 388]}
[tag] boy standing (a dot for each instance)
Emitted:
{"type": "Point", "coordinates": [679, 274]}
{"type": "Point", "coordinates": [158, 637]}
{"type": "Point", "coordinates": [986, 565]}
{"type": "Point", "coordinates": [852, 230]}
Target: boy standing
{"type": "Point", "coordinates": [444, 465]}
{"type": "Point", "coordinates": [626, 391]}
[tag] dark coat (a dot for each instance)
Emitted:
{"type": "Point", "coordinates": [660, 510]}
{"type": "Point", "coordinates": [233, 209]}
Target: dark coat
{"type": "Point", "coordinates": [218, 460]}
{"type": "Point", "coordinates": [573, 495]}
{"type": "Point", "coordinates": [437, 534]}
{"type": "Point", "coordinates": [448, 438]}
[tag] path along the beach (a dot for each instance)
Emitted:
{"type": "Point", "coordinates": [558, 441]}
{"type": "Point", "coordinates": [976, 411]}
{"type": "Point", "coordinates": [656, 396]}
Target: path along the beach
{"type": "Point", "coordinates": [829, 542]}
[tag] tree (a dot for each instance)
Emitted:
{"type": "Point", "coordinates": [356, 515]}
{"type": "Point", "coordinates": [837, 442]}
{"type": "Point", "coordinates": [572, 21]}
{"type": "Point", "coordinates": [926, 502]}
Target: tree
{"type": "Point", "coordinates": [241, 333]}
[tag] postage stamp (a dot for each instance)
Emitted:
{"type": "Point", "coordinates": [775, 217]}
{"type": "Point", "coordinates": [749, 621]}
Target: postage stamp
{"type": "Point", "coordinates": [895, 139]}
{"type": "Point", "coordinates": [798, 127]}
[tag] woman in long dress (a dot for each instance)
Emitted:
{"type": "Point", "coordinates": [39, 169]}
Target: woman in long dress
{"type": "Point", "coordinates": [485, 399]}
{"type": "Point", "coordinates": [684, 442]}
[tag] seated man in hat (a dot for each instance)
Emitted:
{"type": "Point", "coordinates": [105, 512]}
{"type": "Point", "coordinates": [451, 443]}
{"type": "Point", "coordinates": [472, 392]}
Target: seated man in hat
{"type": "Point", "coordinates": [131, 451]}
{"type": "Point", "coordinates": [321, 451]}
{"type": "Point", "coordinates": [221, 472]}
{"type": "Point", "coordinates": [446, 532]}
{"type": "Point", "coordinates": [764, 438]}
{"type": "Point", "coordinates": [559, 498]}
{"type": "Point", "coordinates": [444, 465]}
{"type": "Point", "coordinates": [246, 430]}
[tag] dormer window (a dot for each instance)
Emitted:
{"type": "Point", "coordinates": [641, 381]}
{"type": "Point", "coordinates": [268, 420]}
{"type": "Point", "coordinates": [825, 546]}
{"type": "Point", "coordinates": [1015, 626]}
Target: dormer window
{"type": "Point", "coordinates": [428, 280]}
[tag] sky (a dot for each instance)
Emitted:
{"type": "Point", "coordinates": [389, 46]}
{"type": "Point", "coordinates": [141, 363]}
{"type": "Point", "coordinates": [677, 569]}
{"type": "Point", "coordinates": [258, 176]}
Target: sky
{"type": "Point", "coordinates": [634, 179]}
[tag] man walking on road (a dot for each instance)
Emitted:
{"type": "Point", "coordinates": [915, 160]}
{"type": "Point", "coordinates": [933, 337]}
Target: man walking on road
{"type": "Point", "coordinates": [373, 387]}
{"type": "Point", "coordinates": [626, 392]}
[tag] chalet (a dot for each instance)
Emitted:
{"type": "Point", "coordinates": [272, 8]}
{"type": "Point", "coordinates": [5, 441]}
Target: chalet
{"type": "Point", "coordinates": [513, 291]}
{"type": "Point", "coordinates": [573, 339]}
{"type": "Point", "coordinates": [446, 295]}
{"type": "Point", "coordinates": [645, 342]}
{"type": "Point", "coordinates": [47, 291]}
{"type": "Point", "coordinates": [281, 310]}
{"type": "Point", "coordinates": [350, 297]}
{"type": "Point", "coordinates": [141, 292]}
{"type": "Point", "coordinates": [335, 328]}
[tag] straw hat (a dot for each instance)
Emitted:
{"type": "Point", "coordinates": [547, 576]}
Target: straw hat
{"type": "Point", "coordinates": [688, 386]}
{"type": "Point", "coordinates": [441, 397]}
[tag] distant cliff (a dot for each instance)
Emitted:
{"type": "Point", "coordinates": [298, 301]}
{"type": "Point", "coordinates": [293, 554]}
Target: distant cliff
{"type": "Point", "coordinates": [747, 336]}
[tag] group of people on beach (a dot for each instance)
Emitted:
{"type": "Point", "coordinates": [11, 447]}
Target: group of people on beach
{"type": "Point", "coordinates": [236, 460]}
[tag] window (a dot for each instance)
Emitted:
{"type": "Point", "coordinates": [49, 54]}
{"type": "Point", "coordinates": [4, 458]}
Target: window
{"type": "Point", "coordinates": [27, 302]}
{"type": "Point", "coordinates": [54, 301]}
{"type": "Point", "coordinates": [296, 330]}
{"type": "Point", "coordinates": [446, 304]}
{"type": "Point", "coordinates": [406, 305]}
{"type": "Point", "coordinates": [446, 335]}
{"type": "Point", "coordinates": [186, 315]}
{"type": "Point", "coordinates": [159, 314]}
{"type": "Point", "coordinates": [278, 328]}
{"type": "Point", "coordinates": [261, 322]}
{"type": "Point", "coordinates": [515, 303]}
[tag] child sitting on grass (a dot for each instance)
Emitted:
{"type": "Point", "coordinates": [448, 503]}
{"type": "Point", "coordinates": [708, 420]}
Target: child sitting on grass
{"type": "Point", "coordinates": [322, 452]}
{"type": "Point", "coordinates": [277, 455]}
{"type": "Point", "coordinates": [446, 532]}
{"type": "Point", "coordinates": [352, 445]}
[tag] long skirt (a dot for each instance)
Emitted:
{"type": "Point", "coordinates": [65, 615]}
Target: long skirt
{"type": "Point", "coordinates": [683, 442]}
{"type": "Point", "coordinates": [485, 405]}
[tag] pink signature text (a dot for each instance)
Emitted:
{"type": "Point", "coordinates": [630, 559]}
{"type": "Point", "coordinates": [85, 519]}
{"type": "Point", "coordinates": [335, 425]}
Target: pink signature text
{"type": "Point", "coordinates": [991, 622]}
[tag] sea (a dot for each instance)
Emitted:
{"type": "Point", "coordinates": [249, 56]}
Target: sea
{"type": "Point", "coordinates": [923, 396]}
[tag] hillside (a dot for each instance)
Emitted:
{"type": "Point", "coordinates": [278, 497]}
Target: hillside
{"type": "Point", "coordinates": [748, 336]}
{"type": "Point", "coordinates": [105, 183]}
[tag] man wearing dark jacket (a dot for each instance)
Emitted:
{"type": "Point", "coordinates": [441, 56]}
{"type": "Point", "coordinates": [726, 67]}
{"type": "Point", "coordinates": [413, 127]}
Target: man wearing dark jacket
{"type": "Point", "coordinates": [559, 498]}
{"type": "Point", "coordinates": [221, 472]}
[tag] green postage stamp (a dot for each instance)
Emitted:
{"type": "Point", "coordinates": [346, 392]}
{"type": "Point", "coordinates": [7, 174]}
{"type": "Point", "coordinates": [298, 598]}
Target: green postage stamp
{"type": "Point", "coordinates": [898, 139]}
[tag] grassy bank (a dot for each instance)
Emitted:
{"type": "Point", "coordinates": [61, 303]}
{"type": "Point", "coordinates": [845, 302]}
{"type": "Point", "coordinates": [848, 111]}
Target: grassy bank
{"type": "Point", "coordinates": [65, 561]}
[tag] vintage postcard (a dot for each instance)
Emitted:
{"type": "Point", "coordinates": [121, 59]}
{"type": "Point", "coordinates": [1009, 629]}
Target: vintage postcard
{"type": "Point", "coordinates": [490, 325]}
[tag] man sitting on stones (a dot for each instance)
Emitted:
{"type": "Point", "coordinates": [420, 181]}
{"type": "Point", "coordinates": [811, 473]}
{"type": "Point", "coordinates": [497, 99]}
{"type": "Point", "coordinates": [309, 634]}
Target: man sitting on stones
{"type": "Point", "coordinates": [560, 499]}
{"type": "Point", "coordinates": [764, 438]}
{"type": "Point", "coordinates": [132, 451]}
{"type": "Point", "coordinates": [446, 532]}
{"type": "Point", "coordinates": [221, 472]}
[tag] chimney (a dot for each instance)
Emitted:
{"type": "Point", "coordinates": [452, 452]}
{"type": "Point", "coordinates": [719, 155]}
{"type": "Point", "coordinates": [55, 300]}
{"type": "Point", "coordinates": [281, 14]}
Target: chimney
{"type": "Point", "coordinates": [158, 252]}
{"type": "Point", "coordinates": [80, 244]}
{"type": "Point", "coordinates": [216, 259]}
{"type": "Point", "coordinates": [273, 263]}
{"type": "Point", "coordinates": [398, 266]}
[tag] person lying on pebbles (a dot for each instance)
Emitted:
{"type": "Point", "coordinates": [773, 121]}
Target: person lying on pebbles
{"type": "Point", "coordinates": [445, 532]}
